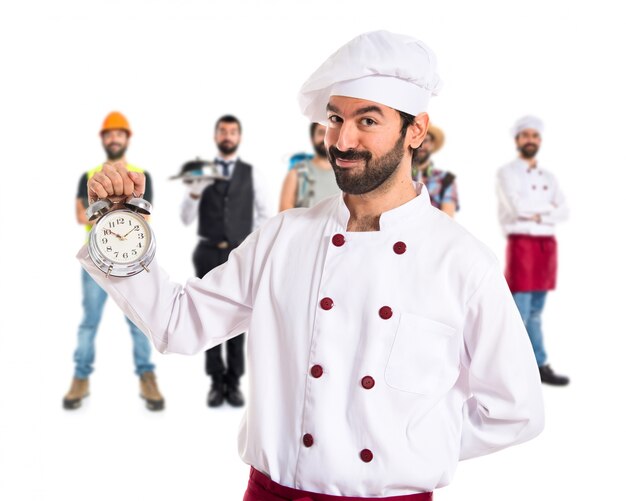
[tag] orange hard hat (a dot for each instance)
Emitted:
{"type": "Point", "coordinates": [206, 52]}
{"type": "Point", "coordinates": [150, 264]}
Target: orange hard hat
{"type": "Point", "coordinates": [115, 120]}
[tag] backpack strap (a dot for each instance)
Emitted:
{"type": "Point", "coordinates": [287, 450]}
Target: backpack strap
{"type": "Point", "coordinates": [304, 182]}
{"type": "Point", "coordinates": [447, 181]}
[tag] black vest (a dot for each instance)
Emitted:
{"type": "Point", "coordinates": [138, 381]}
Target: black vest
{"type": "Point", "coordinates": [226, 208]}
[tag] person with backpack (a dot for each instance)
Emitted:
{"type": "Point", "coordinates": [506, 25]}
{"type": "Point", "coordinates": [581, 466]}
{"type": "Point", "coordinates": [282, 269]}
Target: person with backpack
{"type": "Point", "coordinates": [441, 185]}
{"type": "Point", "coordinates": [311, 179]}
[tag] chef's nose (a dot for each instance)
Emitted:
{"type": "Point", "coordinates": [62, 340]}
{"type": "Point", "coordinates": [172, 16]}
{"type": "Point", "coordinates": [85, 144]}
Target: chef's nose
{"type": "Point", "coordinates": [348, 137]}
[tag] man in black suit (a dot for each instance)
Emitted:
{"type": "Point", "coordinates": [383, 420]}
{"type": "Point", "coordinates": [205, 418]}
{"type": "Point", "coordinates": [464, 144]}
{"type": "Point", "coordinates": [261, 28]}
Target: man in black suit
{"type": "Point", "coordinates": [226, 210]}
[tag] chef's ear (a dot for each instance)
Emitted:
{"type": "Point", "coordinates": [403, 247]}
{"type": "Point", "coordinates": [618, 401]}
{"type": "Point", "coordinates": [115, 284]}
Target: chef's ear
{"type": "Point", "coordinates": [416, 132]}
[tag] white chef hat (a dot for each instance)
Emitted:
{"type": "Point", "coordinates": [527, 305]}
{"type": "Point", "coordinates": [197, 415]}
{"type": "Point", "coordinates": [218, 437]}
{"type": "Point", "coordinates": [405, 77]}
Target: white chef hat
{"type": "Point", "coordinates": [527, 122]}
{"type": "Point", "coordinates": [395, 70]}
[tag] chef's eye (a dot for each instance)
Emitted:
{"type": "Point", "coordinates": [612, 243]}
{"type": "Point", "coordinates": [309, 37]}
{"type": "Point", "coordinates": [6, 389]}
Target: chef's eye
{"type": "Point", "coordinates": [335, 119]}
{"type": "Point", "coordinates": [368, 122]}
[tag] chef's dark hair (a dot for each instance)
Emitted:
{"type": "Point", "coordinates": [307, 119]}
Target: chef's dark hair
{"type": "Point", "coordinates": [228, 119]}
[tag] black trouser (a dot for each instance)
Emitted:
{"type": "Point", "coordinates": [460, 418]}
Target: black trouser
{"type": "Point", "coordinates": [205, 258]}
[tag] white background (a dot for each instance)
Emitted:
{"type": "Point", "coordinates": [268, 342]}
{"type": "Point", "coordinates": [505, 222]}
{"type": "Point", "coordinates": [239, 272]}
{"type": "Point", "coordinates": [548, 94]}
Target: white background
{"type": "Point", "coordinates": [173, 68]}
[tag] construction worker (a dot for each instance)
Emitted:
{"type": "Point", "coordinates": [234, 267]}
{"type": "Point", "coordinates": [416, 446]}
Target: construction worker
{"type": "Point", "coordinates": [115, 135]}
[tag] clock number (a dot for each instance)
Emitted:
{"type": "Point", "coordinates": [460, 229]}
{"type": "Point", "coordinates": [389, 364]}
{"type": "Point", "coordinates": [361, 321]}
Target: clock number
{"type": "Point", "coordinates": [116, 253]}
{"type": "Point", "coordinates": [120, 220]}
{"type": "Point", "coordinates": [134, 252]}
{"type": "Point", "coordinates": [139, 245]}
{"type": "Point", "coordinates": [125, 255]}
{"type": "Point", "coordinates": [107, 231]}
{"type": "Point", "coordinates": [105, 240]}
{"type": "Point", "coordinates": [111, 225]}
{"type": "Point", "coordinates": [109, 249]}
{"type": "Point", "coordinates": [141, 236]}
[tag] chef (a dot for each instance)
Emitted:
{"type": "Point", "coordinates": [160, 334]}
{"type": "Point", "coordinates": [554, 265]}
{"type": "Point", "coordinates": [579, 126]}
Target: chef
{"type": "Point", "coordinates": [530, 205]}
{"type": "Point", "coordinates": [384, 344]}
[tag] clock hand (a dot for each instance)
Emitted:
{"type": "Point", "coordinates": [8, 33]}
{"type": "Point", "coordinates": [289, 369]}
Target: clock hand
{"type": "Point", "coordinates": [135, 228]}
{"type": "Point", "coordinates": [118, 236]}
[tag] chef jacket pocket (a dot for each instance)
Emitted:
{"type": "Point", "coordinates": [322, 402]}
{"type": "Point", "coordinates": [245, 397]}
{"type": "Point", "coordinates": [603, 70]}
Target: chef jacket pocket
{"type": "Point", "coordinates": [424, 357]}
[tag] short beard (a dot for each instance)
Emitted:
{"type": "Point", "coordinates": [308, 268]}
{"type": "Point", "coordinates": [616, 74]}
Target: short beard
{"type": "Point", "coordinates": [528, 151]}
{"type": "Point", "coordinates": [375, 173]}
{"type": "Point", "coordinates": [227, 150]}
{"type": "Point", "coordinates": [115, 155]}
{"type": "Point", "coordinates": [320, 149]}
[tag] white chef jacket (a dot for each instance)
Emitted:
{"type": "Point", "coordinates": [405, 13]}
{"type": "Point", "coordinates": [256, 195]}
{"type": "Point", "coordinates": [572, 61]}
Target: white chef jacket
{"type": "Point", "coordinates": [190, 206]}
{"type": "Point", "coordinates": [524, 192]}
{"type": "Point", "coordinates": [452, 368]}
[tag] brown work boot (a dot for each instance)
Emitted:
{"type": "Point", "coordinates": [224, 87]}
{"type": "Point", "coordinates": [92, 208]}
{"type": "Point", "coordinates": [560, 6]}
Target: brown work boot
{"type": "Point", "coordinates": [150, 391]}
{"type": "Point", "coordinates": [78, 391]}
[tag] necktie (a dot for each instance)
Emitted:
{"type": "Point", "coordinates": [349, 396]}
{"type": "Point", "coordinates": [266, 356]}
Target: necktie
{"type": "Point", "coordinates": [225, 167]}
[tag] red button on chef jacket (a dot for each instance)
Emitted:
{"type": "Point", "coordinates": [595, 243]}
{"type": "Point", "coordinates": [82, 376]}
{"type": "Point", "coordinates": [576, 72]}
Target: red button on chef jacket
{"type": "Point", "coordinates": [399, 247]}
{"type": "Point", "coordinates": [326, 303]}
{"type": "Point", "coordinates": [317, 371]}
{"type": "Point", "coordinates": [307, 440]}
{"type": "Point", "coordinates": [366, 455]}
{"type": "Point", "coordinates": [339, 240]}
{"type": "Point", "coordinates": [385, 312]}
{"type": "Point", "coordinates": [368, 382]}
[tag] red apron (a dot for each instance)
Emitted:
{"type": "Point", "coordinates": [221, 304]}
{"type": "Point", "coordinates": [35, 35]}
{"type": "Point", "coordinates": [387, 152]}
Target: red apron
{"type": "Point", "coordinates": [262, 488]}
{"type": "Point", "coordinates": [531, 263]}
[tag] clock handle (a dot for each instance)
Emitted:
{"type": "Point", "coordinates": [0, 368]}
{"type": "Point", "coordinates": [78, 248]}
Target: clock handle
{"type": "Point", "coordinates": [98, 209]}
{"type": "Point", "coordinates": [139, 205]}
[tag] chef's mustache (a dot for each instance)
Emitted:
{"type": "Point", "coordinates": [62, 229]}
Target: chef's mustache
{"type": "Point", "coordinates": [349, 155]}
{"type": "Point", "coordinates": [114, 144]}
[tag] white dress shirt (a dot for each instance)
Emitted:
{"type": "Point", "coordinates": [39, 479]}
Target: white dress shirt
{"type": "Point", "coordinates": [524, 192]}
{"type": "Point", "coordinates": [190, 206]}
{"type": "Point", "coordinates": [403, 342]}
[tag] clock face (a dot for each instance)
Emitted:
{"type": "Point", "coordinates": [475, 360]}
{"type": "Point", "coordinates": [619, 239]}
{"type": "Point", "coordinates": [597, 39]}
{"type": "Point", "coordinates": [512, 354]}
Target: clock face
{"type": "Point", "coordinates": [122, 237]}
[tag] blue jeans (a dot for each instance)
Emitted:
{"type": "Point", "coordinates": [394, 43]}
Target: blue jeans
{"type": "Point", "coordinates": [530, 305]}
{"type": "Point", "coordinates": [94, 298]}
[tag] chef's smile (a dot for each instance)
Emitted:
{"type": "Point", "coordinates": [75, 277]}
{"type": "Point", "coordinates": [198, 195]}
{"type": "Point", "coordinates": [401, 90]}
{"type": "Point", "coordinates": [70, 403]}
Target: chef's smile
{"type": "Point", "coordinates": [347, 164]}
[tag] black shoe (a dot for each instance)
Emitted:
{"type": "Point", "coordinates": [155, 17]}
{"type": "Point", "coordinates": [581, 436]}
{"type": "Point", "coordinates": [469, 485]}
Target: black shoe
{"type": "Point", "coordinates": [216, 393]}
{"type": "Point", "coordinates": [549, 377]}
{"type": "Point", "coordinates": [233, 395]}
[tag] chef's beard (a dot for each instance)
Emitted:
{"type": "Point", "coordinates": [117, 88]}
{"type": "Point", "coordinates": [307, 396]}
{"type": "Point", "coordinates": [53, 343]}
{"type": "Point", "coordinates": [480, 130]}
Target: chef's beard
{"type": "Point", "coordinates": [114, 155]}
{"type": "Point", "coordinates": [320, 149]}
{"type": "Point", "coordinates": [372, 175]}
{"type": "Point", "coordinates": [529, 151]}
{"type": "Point", "coordinates": [227, 147]}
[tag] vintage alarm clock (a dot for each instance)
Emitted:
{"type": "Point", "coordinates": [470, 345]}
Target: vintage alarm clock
{"type": "Point", "coordinates": [121, 242]}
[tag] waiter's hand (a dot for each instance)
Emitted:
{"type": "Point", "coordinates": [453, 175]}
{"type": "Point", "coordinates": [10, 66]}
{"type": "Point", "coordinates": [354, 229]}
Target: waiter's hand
{"type": "Point", "coordinates": [195, 187]}
{"type": "Point", "coordinates": [116, 183]}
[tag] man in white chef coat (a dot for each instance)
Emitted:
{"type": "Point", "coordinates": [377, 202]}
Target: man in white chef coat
{"type": "Point", "coordinates": [384, 344]}
{"type": "Point", "coordinates": [530, 205]}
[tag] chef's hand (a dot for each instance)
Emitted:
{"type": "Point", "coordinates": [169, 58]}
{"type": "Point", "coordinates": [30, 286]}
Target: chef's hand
{"type": "Point", "coordinates": [195, 187]}
{"type": "Point", "coordinates": [116, 183]}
